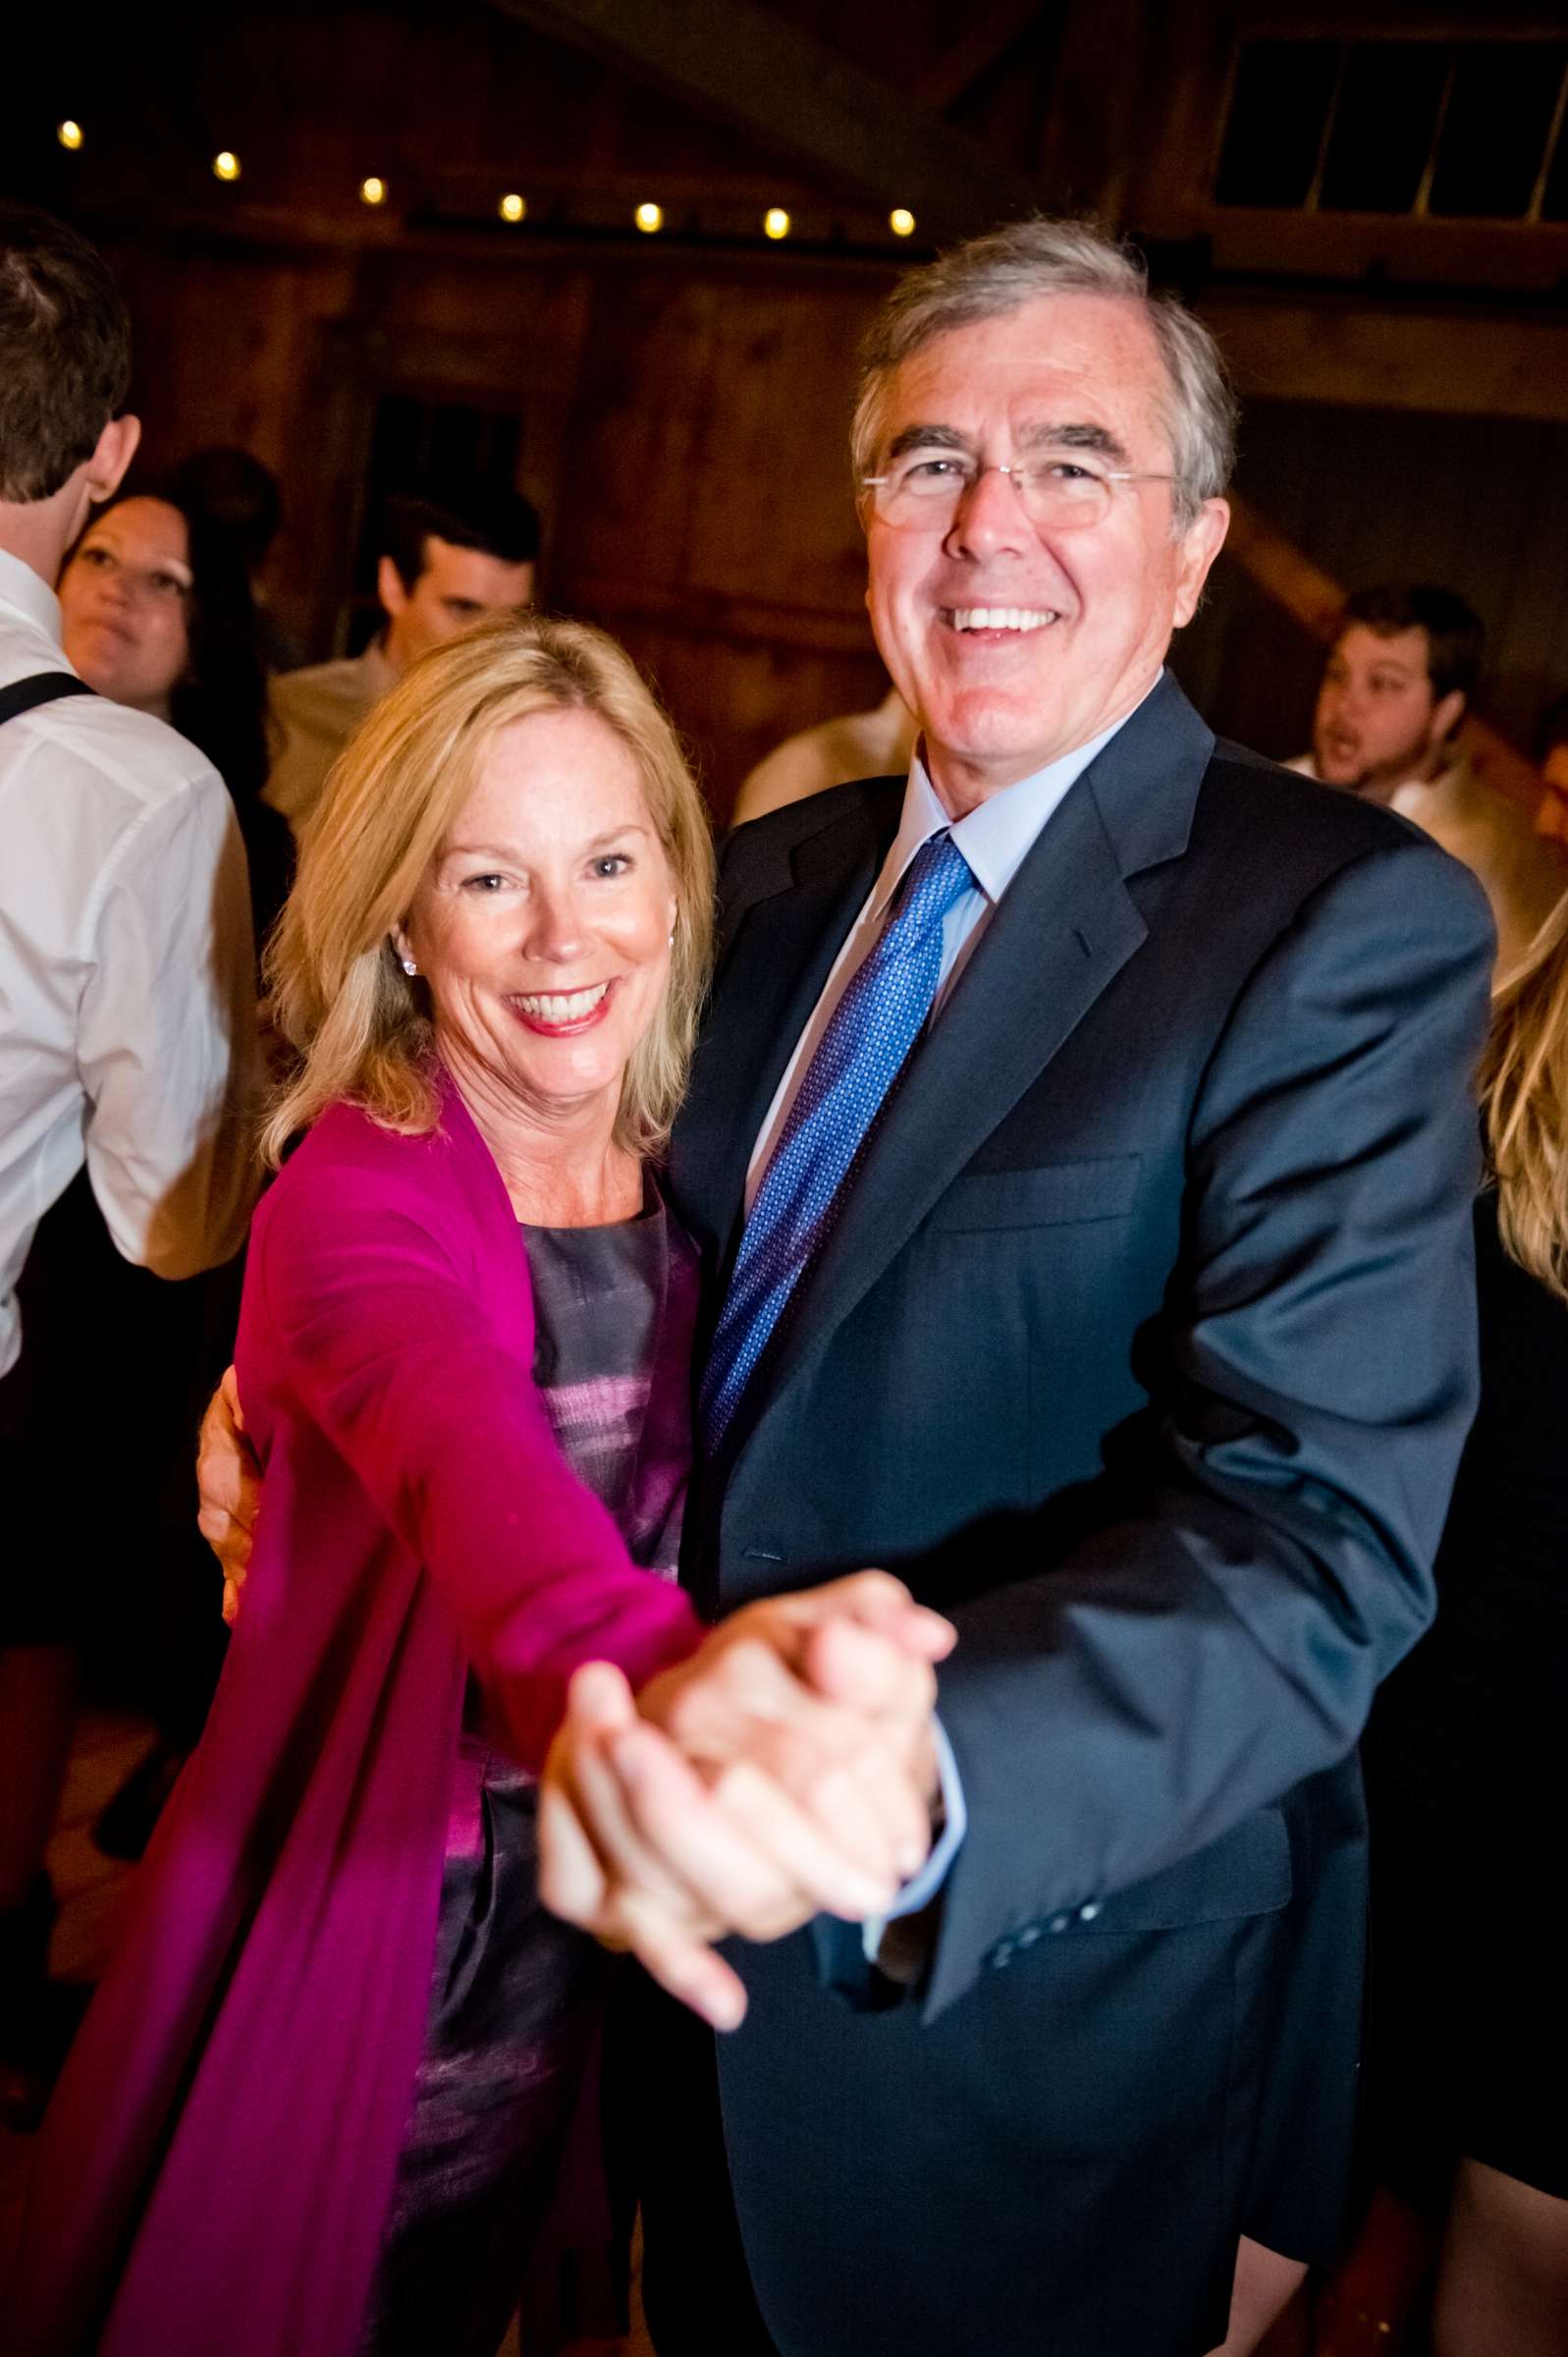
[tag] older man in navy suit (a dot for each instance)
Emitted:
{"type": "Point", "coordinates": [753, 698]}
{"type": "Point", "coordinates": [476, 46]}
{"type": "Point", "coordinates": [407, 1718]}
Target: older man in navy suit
{"type": "Point", "coordinates": [1081, 1149]}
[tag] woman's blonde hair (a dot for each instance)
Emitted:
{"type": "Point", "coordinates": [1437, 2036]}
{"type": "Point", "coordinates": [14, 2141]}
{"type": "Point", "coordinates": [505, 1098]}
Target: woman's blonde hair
{"type": "Point", "coordinates": [359, 1025]}
{"type": "Point", "coordinates": [1524, 1090]}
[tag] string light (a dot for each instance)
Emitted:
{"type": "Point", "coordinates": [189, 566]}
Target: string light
{"type": "Point", "coordinates": [775, 222]}
{"type": "Point", "coordinates": [69, 133]}
{"type": "Point", "coordinates": [225, 164]}
{"type": "Point", "coordinates": [373, 190]}
{"type": "Point", "coordinates": [649, 217]}
{"type": "Point", "coordinates": [512, 207]}
{"type": "Point", "coordinates": [901, 221]}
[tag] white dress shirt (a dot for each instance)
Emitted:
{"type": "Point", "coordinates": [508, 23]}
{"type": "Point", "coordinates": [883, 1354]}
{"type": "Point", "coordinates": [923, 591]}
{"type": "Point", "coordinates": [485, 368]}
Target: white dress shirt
{"type": "Point", "coordinates": [995, 839]}
{"type": "Point", "coordinates": [127, 972]}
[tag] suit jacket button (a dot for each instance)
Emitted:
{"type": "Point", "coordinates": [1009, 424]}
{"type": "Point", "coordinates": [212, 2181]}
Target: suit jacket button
{"type": "Point", "coordinates": [1060, 1923]}
{"type": "Point", "coordinates": [1088, 1913]}
{"type": "Point", "coordinates": [1029, 1934]}
{"type": "Point", "coordinates": [1001, 1954]}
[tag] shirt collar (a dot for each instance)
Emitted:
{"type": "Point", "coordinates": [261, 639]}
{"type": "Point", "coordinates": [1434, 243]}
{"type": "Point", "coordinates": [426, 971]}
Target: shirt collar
{"type": "Point", "coordinates": [28, 594]}
{"type": "Point", "coordinates": [997, 837]}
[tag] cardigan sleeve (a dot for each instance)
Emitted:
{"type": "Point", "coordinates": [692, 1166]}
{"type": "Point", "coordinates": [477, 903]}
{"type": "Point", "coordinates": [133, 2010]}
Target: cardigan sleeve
{"type": "Point", "coordinates": [385, 1346]}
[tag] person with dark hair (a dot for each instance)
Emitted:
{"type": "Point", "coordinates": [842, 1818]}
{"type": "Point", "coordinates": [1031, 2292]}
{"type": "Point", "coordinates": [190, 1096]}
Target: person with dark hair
{"type": "Point", "coordinates": [1401, 674]}
{"type": "Point", "coordinates": [159, 614]}
{"type": "Point", "coordinates": [239, 497]}
{"type": "Point", "coordinates": [445, 561]}
{"type": "Point", "coordinates": [127, 973]}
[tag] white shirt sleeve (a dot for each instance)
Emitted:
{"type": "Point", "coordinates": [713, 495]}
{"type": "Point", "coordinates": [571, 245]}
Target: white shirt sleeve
{"type": "Point", "coordinates": [166, 1037]}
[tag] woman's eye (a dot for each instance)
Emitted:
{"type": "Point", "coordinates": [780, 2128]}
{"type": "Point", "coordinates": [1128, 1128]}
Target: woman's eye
{"type": "Point", "coordinates": [98, 557]}
{"type": "Point", "coordinates": [613, 863]}
{"type": "Point", "coordinates": [166, 585]}
{"type": "Point", "coordinates": [483, 884]}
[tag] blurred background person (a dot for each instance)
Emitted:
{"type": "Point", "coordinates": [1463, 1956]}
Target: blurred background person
{"type": "Point", "coordinates": [445, 563]}
{"type": "Point", "coordinates": [1467, 2062]}
{"type": "Point", "coordinates": [1400, 676]}
{"type": "Point", "coordinates": [858, 744]}
{"type": "Point", "coordinates": [231, 490]}
{"type": "Point", "coordinates": [127, 976]}
{"type": "Point", "coordinates": [159, 614]}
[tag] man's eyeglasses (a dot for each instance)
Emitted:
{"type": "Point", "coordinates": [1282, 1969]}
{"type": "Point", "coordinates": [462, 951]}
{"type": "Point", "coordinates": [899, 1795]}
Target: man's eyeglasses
{"type": "Point", "coordinates": [924, 490]}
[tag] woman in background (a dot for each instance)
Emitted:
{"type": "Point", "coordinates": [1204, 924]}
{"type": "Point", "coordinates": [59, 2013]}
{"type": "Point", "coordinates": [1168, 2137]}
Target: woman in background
{"type": "Point", "coordinates": [1467, 1776]}
{"type": "Point", "coordinates": [159, 614]}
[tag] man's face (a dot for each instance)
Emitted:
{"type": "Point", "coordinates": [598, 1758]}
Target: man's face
{"type": "Point", "coordinates": [1378, 722]}
{"type": "Point", "coordinates": [458, 586]}
{"type": "Point", "coordinates": [1079, 619]}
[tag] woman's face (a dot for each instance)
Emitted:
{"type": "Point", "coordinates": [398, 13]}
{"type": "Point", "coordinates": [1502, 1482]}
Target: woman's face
{"type": "Point", "coordinates": [124, 596]}
{"type": "Point", "coordinates": [542, 926]}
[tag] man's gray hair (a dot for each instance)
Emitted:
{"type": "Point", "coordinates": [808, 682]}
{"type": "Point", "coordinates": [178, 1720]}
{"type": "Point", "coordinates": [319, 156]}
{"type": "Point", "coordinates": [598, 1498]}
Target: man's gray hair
{"type": "Point", "coordinates": [1010, 267]}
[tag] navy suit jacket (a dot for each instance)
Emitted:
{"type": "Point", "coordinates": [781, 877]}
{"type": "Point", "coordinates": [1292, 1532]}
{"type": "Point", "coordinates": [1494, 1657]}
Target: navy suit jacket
{"type": "Point", "coordinates": [1144, 1347]}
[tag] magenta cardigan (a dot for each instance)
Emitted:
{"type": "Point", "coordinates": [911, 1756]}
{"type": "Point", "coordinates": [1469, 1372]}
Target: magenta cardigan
{"type": "Point", "coordinates": [218, 2160]}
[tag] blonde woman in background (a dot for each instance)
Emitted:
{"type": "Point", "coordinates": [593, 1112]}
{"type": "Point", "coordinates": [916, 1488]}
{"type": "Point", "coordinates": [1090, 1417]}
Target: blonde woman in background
{"type": "Point", "coordinates": [1467, 1774]}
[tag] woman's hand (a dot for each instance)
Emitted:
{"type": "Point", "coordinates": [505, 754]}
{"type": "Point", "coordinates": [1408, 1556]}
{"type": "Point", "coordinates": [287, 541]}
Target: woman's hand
{"type": "Point", "coordinates": [787, 1770]}
{"type": "Point", "coordinates": [228, 1486]}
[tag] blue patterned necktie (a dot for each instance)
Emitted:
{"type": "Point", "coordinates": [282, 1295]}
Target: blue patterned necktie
{"type": "Point", "coordinates": [857, 1059]}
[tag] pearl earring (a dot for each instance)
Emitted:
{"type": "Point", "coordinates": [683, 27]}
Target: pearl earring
{"type": "Point", "coordinates": [409, 967]}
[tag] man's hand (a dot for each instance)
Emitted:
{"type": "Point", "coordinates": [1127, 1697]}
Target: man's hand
{"type": "Point", "coordinates": [787, 1770]}
{"type": "Point", "coordinates": [229, 1485]}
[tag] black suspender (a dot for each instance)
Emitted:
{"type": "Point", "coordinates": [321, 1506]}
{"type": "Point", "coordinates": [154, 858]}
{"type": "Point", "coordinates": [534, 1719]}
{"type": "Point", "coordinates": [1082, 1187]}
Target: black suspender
{"type": "Point", "coordinates": [45, 688]}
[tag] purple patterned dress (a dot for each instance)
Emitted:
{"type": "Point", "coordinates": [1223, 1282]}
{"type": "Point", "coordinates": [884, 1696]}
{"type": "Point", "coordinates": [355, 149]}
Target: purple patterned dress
{"type": "Point", "coordinates": [516, 1996]}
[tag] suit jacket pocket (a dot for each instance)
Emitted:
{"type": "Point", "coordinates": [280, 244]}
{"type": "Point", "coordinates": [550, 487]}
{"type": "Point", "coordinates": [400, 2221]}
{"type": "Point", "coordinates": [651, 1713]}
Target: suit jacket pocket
{"type": "Point", "coordinates": [1104, 1188]}
{"type": "Point", "coordinates": [1246, 1872]}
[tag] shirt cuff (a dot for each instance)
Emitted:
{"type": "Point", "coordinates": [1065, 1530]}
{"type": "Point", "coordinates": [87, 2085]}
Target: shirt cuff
{"type": "Point", "coordinates": [922, 1887]}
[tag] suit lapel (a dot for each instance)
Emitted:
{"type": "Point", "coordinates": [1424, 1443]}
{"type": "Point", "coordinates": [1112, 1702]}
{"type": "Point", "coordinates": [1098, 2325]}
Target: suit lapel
{"type": "Point", "coordinates": [1065, 927]}
{"type": "Point", "coordinates": [771, 978]}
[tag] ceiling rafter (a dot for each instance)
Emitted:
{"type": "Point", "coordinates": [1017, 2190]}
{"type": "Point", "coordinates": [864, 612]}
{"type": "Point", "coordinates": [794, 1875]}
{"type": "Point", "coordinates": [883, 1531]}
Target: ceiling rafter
{"type": "Point", "coordinates": [983, 45]}
{"type": "Point", "coordinates": [797, 98]}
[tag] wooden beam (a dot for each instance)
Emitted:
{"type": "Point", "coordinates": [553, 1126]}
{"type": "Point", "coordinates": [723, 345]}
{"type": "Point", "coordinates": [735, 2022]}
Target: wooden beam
{"type": "Point", "coordinates": [797, 98]}
{"type": "Point", "coordinates": [986, 40]}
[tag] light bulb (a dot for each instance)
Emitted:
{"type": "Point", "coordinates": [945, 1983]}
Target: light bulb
{"type": "Point", "coordinates": [775, 222]}
{"type": "Point", "coordinates": [69, 133]}
{"type": "Point", "coordinates": [901, 221]}
{"type": "Point", "coordinates": [225, 164]}
{"type": "Point", "coordinates": [373, 190]}
{"type": "Point", "coordinates": [512, 207]}
{"type": "Point", "coordinates": [649, 217]}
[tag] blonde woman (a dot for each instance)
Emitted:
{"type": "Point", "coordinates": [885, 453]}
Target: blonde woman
{"type": "Point", "coordinates": [1467, 1764]}
{"type": "Point", "coordinates": [326, 2089]}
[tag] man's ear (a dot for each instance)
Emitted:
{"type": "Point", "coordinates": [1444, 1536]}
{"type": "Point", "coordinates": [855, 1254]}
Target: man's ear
{"type": "Point", "coordinates": [1446, 714]}
{"type": "Point", "coordinates": [1200, 543]}
{"type": "Point", "coordinates": [390, 589]}
{"type": "Point", "coordinates": [116, 447]}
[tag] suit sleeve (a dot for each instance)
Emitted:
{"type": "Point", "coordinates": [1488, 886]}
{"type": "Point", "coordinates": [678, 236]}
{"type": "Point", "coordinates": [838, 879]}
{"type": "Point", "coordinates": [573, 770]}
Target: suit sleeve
{"type": "Point", "coordinates": [393, 1355]}
{"type": "Point", "coordinates": [1257, 1553]}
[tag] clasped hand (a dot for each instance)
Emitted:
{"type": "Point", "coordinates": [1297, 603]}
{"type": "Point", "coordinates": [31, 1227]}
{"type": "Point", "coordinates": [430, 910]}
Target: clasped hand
{"type": "Point", "coordinates": [786, 1770]}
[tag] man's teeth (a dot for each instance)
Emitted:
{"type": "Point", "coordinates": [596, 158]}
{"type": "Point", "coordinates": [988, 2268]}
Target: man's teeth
{"type": "Point", "coordinates": [561, 1007]}
{"type": "Point", "coordinates": [1003, 618]}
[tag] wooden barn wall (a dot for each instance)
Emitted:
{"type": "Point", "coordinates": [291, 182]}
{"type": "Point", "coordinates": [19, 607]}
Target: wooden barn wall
{"type": "Point", "coordinates": [684, 433]}
{"type": "Point", "coordinates": [1479, 505]}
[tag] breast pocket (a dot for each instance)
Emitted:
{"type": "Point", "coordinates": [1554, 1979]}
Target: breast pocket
{"type": "Point", "coordinates": [1049, 1195]}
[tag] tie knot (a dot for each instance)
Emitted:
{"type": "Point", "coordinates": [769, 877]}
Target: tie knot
{"type": "Point", "coordinates": [937, 876]}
